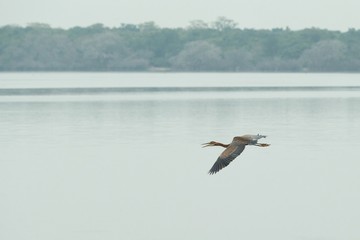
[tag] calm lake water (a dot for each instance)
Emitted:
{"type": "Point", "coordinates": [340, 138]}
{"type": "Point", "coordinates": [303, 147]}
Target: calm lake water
{"type": "Point", "coordinates": [118, 156]}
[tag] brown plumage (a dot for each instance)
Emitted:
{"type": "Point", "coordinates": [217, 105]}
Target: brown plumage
{"type": "Point", "coordinates": [234, 149]}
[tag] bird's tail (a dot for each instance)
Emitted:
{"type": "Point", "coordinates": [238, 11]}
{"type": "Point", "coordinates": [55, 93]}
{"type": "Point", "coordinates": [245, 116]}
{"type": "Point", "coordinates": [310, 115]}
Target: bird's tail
{"type": "Point", "coordinates": [260, 136]}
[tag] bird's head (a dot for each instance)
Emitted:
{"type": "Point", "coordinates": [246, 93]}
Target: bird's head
{"type": "Point", "coordinates": [210, 144]}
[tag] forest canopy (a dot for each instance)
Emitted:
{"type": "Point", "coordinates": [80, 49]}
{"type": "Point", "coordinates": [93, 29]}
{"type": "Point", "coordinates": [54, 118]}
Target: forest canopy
{"type": "Point", "coordinates": [216, 46]}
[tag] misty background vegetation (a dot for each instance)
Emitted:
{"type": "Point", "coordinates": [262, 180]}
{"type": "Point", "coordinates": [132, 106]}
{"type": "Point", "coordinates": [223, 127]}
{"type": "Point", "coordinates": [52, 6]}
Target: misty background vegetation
{"type": "Point", "coordinates": [216, 46]}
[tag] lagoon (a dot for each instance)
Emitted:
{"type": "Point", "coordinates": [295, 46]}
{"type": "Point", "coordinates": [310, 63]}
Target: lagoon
{"type": "Point", "coordinates": [118, 156]}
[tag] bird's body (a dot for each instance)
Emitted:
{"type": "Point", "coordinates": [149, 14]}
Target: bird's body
{"type": "Point", "coordinates": [234, 149]}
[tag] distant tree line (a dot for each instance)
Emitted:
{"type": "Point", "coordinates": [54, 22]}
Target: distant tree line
{"type": "Point", "coordinates": [218, 46]}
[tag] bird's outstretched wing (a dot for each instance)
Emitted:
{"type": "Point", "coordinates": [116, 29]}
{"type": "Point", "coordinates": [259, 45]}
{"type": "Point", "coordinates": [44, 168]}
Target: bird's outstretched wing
{"type": "Point", "coordinates": [225, 158]}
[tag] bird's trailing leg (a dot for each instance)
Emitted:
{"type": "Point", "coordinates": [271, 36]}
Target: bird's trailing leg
{"type": "Point", "coordinates": [262, 144]}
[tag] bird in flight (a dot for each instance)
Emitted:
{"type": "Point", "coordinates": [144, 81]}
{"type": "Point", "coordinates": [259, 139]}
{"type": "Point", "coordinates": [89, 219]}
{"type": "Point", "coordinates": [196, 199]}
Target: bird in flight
{"type": "Point", "coordinates": [234, 149]}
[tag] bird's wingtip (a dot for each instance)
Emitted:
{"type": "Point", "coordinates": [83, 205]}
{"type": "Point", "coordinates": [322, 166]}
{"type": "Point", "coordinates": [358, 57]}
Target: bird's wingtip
{"type": "Point", "coordinates": [212, 172]}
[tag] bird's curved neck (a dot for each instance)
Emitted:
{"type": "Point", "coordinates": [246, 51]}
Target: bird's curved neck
{"type": "Point", "coordinates": [221, 144]}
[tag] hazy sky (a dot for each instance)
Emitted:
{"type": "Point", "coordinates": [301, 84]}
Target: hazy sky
{"type": "Point", "coordinates": [296, 14]}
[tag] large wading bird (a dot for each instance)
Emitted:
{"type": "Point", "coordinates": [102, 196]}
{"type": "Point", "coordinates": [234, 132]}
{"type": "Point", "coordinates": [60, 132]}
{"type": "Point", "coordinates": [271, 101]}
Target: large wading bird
{"type": "Point", "coordinates": [234, 149]}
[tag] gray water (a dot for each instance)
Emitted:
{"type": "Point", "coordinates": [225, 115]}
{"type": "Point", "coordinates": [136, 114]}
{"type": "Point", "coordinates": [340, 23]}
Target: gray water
{"type": "Point", "coordinates": [81, 161]}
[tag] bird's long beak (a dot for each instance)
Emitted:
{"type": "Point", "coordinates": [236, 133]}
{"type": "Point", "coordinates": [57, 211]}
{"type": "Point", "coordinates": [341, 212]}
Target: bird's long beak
{"type": "Point", "coordinates": [207, 145]}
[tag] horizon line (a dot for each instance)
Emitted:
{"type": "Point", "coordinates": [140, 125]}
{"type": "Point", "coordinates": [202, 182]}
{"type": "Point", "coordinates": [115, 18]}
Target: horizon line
{"type": "Point", "coordinates": [154, 24]}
